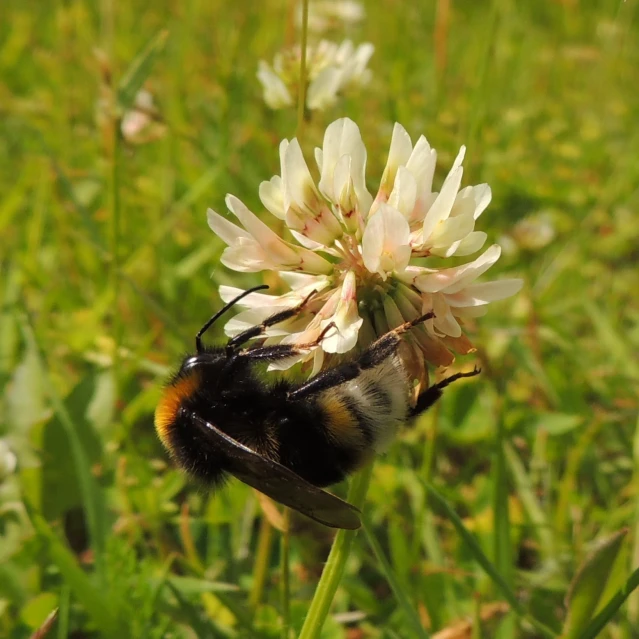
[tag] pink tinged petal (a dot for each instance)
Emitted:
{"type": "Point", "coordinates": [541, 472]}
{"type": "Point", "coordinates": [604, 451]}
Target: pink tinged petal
{"type": "Point", "coordinates": [452, 280]}
{"type": "Point", "coordinates": [345, 195]}
{"type": "Point", "coordinates": [400, 150]}
{"type": "Point", "coordinates": [247, 256]}
{"type": "Point", "coordinates": [280, 255]}
{"type": "Point", "coordinates": [385, 245]}
{"type": "Point", "coordinates": [485, 292]}
{"type": "Point", "coordinates": [404, 193]}
{"type": "Point", "coordinates": [471, 243]}
{"type": "Point", "coordinates": [444, 321]}
{"type": "Point", "coordinates": [311, 245]}
{"type": "Point", "coordinates": [311, 262]}
{"type": "Point", "coordinates": [272, 197]}
{"type": "Point", "coordinates": [342, 138]}
{"type": "Point", "coordinates": [270, 242]}
{"type": "Point", "coordinates": [276, 95]}
{"type": "Point", "coordinates": [411, 274]}
{"type": "Point", "coordinates": [306, 211]}
{"type": "Point", "coordinates": [346, 319]}
{"type": "Point", "coordinates": [322, 91]}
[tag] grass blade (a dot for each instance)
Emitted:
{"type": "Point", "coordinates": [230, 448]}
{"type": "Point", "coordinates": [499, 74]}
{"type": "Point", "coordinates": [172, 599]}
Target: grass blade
{"type": "Point", "coordinates": [401, 596]}
{"type": "Point", "coordinates": [92, 598]}
{"type": "Point", "coordinates": [608, 612]}
{"type": "Point", "coordinates": [588, 585]}
{"type": "Point", "coordinates": [140, 69]}
{"type": "Point", "coordinates": [92, 498]}
{"type": "Point", "coordinates": [485, 563]}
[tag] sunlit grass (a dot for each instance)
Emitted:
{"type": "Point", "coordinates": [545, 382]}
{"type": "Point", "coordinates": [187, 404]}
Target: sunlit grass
{"type": "Point", "coordinates": [107, 270]}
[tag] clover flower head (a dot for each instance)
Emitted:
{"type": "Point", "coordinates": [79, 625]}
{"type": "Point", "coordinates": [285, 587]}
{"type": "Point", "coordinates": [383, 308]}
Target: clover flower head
{"type": "Point", "coordinates": [327, 14]}
{"type": "Point", "coordinates": [366, 257]}
{"type": "Point", "coordinates": [8, 460]}
{"type": "Point", "coordinates": [332, 68]}
{"type": "Point", "coordinates": [140, 123]}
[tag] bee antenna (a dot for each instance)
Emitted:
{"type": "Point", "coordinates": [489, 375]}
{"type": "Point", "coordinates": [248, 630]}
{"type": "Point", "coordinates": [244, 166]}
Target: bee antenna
{"type": "Point", "coordinates": [226, 307]}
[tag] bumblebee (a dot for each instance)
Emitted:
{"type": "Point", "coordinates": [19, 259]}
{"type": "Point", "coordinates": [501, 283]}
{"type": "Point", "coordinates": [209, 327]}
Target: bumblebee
{"type": "Point", "coordinates": [288, 440]}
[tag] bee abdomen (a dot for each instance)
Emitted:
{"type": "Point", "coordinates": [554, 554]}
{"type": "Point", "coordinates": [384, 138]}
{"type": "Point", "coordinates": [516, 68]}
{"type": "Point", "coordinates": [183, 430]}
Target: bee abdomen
{"type": "Point", "coordinates": [365, 413]}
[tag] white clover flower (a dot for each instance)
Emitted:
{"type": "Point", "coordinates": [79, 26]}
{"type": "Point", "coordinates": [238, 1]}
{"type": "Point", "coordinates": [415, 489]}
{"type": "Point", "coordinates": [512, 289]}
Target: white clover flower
{"type": "Point", "coordinates": [327, 14]}
{"type": "Point", "coordinates": [139, 123]}
{"type": "Point", "coordinates": [8, 460]}
{"type": "Point", "coordinates": [359, 252]}
{"type": "Point", "coordinates": [331, 69]}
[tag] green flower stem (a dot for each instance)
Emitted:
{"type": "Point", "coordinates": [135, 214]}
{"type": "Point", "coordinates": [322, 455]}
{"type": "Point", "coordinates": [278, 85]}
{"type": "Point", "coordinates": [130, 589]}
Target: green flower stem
{"type": "Point", "coordinates": [260, 570]}
{"type": "Point", "coordinates": [301, 91]}
{"type": "Point", "coordinates": [336, 562]}
{"type": "Point", "coordinates": [285, 545]}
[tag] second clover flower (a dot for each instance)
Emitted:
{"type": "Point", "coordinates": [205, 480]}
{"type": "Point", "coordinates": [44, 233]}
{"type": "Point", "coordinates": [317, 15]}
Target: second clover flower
{"type": "Point", "coordinates": [359, 252]}
{"type": "Point", "coordinates": [332, 68]}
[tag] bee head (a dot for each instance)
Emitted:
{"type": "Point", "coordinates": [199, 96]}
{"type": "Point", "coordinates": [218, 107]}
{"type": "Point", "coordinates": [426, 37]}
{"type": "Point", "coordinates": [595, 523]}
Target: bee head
{"type": "Point", "coordinates": [192, 391]}
{"type": "Point", "coordinates": [184, 395]}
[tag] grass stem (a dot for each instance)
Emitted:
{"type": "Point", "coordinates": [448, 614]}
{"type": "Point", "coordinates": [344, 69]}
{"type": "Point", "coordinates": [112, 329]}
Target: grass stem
{"type": "Point", "coordinates": [336, 562]}
{"type": "Point", "coordinates": [301, 90]}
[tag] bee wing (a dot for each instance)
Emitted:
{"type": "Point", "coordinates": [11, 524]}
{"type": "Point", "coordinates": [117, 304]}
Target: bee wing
{"type": "Point", "coordinates": [281, 483]}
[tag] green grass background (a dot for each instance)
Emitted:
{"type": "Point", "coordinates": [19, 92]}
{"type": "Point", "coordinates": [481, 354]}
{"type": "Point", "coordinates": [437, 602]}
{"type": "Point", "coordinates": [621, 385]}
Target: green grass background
{"type": "Point", "coordinates": [107, 270]}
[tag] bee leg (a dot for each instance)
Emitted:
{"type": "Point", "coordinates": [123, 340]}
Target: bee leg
{"type": "Point", "coordinates": [276, 318]}
{"type": "Point", "coordinates": [374, 355]}
{"type": "Point", "coordinates": [432, 394]}
{"type": "Point", "coordinates": [281, 351]}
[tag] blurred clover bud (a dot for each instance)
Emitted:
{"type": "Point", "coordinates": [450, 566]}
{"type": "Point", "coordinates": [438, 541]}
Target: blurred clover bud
{"type": "Point", "coordinates": [534, 232]}
{"type": "Point", "coordinates": [140, 123]}
{"type": "Point", "coordinates": [332, 69]}
{"type": "Point", "coordinates": [8, 460]}
{"type": "Point", "coordinates": [360, 252]}
{"type": "Point", "coordinates": [331, 14]}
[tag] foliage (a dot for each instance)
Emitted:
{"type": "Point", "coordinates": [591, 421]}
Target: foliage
{"type": "Point", "coordinates": [108, 269]}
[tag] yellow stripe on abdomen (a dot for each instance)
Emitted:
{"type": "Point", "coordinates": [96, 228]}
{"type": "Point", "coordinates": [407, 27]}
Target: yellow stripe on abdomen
{"type": "Point", "coordinates": [342, 423]}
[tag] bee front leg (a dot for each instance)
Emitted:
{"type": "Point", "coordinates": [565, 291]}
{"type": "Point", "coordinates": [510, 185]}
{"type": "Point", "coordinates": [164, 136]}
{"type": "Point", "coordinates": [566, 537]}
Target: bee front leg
{"type": "Point", "coordinates": [276, 318]}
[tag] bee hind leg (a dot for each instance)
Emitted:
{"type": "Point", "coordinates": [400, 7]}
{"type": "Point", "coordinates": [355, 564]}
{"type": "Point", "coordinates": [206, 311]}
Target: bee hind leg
{"type": "Point", "coordinates": [373, 356]}
{"type": "Point", "coordinates": [434, 392]}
